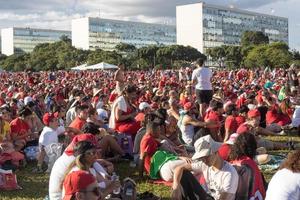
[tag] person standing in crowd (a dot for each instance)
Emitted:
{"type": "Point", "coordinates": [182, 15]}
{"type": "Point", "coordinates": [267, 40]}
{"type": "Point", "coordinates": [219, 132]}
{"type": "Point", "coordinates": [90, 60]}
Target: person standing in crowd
{"type": "Point", "coordinates": [201, 77]}
{"type": "Point", "coordinates": [120, 79]}
{"type": "Point", "coordinates": [285, 184]}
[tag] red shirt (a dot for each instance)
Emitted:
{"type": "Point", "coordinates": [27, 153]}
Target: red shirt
{"type": "Point", "coordinates": [77, 123]}
{"type": "Point", "coordinates": [240, 120]}
{"type": "Point", "coordinates": [140, 117]}
{"type": "Point", "coordinates": [18, 127]}
{"type": "Point", "coordinates": [148, 145]}
{"type": "Point", "coordinates": [231, 124]}
{"type": "Point", "coordinates": [272, 116]}
{"type": "Point", "coordinates": [243, 128]}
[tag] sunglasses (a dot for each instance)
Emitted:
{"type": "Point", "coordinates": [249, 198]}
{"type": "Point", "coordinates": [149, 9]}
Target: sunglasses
{"type": "Point", "coordinates": [96, 191]}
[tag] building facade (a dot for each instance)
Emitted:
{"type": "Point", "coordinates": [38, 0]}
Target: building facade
{"type": "Point", "coordinates": [23, 40]}
{"type": "Point", "coordinates": [204, 26]}
{"type": "Point", "coordinates": [97, 33]}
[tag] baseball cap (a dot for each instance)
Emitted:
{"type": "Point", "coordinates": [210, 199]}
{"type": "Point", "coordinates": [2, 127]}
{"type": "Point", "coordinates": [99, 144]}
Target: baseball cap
{"type": "Point", "coordinates": [48, 117]}
{"type": "Point", "coordinates": [82, 137]}
{"type": "Point", "coordinates": [253, 113]}
{"type": "Point", "coordinates": [144, 105]}
{"type": "Point", "coordinates": [77, 181]}
{"type": "Point", "coordinates": [205, 146]}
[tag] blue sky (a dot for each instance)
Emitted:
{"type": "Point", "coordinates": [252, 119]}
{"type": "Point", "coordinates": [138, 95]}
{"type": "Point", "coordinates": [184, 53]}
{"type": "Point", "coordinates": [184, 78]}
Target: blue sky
{"type": "Point", "coordinates": [58, 13]}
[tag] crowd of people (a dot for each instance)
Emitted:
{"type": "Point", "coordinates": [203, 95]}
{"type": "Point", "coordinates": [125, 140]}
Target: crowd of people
{"type": "Point", "coordinates": [199, 129]}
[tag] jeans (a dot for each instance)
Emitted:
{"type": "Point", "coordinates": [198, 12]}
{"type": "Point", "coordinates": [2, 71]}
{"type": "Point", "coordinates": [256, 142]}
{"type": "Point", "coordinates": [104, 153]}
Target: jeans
{"type": "Point", "coordinates": [192, 190]}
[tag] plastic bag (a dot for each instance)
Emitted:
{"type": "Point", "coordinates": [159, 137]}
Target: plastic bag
{"type": "Point", "coordinates": [8, 180]}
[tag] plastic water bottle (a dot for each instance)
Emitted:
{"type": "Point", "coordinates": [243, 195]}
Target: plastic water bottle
{"type": "Point", "coordinates": [114, 177]}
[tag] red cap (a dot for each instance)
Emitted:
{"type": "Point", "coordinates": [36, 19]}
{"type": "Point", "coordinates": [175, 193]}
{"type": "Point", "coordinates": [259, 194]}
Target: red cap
{"type": "Point", "coordinates": [48, 117]}
{"type": "Point", "coordinates": [82, 137]}
{"type": "Point", "coordinates": [77, 181]}
{"type": "Point", "coordinates": [187, 106]}
{"type": "Point", "coordinates": [253, 113]}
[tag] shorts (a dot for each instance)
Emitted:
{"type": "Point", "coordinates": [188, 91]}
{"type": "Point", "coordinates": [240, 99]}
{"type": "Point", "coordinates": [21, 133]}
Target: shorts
{"type": "Point", "coordinates": [204, 96]}
{"type": "Point", "coordinates": [167, 170]}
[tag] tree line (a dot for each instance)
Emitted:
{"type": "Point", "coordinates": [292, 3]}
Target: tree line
{"type": "Point", "coordinates": [254, 51]}
{"type": "Point", "coordinates": [62, 55]}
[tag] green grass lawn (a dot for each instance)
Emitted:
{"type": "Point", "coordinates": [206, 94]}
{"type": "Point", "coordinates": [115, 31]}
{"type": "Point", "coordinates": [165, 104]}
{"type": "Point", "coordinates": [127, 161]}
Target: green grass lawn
{"type": "Point", "coordinates": [35, 186]}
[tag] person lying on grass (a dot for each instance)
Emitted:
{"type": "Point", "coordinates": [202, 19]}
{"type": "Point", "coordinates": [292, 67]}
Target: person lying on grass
{"type": "Point", "coordinates": [157, 163]}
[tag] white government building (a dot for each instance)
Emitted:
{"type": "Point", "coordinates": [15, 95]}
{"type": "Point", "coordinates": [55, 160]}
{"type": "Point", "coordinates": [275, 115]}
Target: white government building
{"type": "Point", "coordinates": [203, 26]}
{"type": "Point", "coordinates": [199, 25]}
{"type": "Point", "coordinates": [97, 33]}
{"type": "Point", "coordinates": [23, 40]}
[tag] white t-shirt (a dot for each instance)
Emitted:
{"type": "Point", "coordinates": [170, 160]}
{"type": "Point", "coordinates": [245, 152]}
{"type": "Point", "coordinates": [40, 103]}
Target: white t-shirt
{"type": "Point", "coordinates": [284, 185]}
{"type": "Point", "coordinates": [48, 136]}
{"type": "Point", "coordinates": [58, 172]}
{"type": "Point", "coordinates": [57, 175]}
{"type": "Point", "coordinates": [203, 76]}
{"type": "Point", "coordinates": [119, 103]}
{"type": "Point", "coordinates": [220, 181]}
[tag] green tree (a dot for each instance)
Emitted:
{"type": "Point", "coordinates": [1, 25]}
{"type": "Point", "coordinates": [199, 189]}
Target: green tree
{"type": "Point", "coordinates": [278, 54]}
{"type": "Point", "coordinates": [148, 53]}
{"type": "Point", "coordinates": [15, 62]}
{"type": "Point", "coordinates": [99, 55]}
{"type": "Point", "coordinates": [125, 48]}
{"type": "Point", "coordinates": [65, 38]}
{"type": "Point", "coordinates": [257, 57]}
{"type": "Point", "coordinates": [217, 54]}
{"type": "Point", "coordinates": [253, 38]}
{"type": "Point", "coordinates": [295, 54]}
{"type": "Point", "coordinates": [233, 57]}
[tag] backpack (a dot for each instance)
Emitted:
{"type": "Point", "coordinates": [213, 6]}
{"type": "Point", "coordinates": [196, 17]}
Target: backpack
{"type": "Point", "coordinates": [31, 152]}
{"type": "Point", "coordinates": [129, 189]}
{"type": "Point", "coordinates": [245, 182]}
{"type": "Point", "coordinates": [125, 142]}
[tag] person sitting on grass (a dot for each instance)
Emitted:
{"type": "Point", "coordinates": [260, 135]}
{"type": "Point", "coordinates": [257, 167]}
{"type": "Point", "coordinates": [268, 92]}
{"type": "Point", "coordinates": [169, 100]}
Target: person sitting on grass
{"type": "Point", "coordinates": [63, 162]}
{"type": "Point", "coordinates": [81, 117]}
{"type": "Point", "coordinates": [252, 125]}
{"type": "Point", "coordinates": [187, 123]}
{"type": "Point", "coordinates": [107, 143]}
{"type": "Point", "coordinates": [81, 185]}
{"type": "Point", "coordinates": [285, 184]}
{"type": "Point", "coordinates": [21, 130]}
{"type": "Point", "coordinates": [123, 113]}
{"type": "Point", "coordinates": [243, 153]}
{"type": "Point", "coordinates": [158, 160]}
{"type": "Point", "coordinates": [86, 155]}
{"type": "Point", "coordinates": [221, 178]}
{"type": "Point", "coordinates": [47, 137]}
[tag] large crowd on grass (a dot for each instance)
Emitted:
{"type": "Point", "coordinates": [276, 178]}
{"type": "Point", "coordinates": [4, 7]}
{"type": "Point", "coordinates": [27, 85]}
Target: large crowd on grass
{"type": "Point", "coordinates": [198, 130]}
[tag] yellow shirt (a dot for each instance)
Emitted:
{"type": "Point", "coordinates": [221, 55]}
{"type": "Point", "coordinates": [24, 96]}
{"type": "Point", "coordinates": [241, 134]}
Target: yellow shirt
{"type": "Point", "coordinates": [5, 130]}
